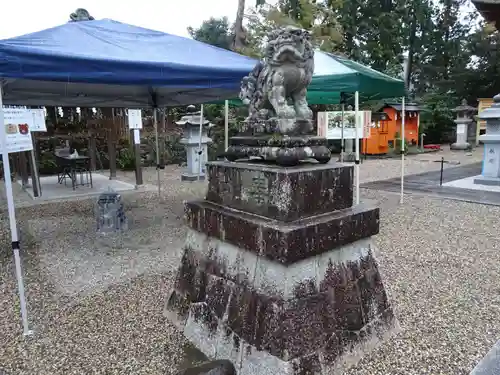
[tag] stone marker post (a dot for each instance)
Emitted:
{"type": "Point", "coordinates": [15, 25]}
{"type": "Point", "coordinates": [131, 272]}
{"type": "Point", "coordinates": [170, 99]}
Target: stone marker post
{"type": "Point", "coordinates": [278, 272]}
{"type": "Point", "coordinates": [491, 140]}
{"type": "Point", "coordinates": [464, 119]}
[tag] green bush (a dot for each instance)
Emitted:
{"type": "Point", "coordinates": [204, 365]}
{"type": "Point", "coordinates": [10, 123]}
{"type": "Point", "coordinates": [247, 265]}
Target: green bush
{"type": "Point", "coordinates": [398, 142]}
{"type": "Point", "coordinates": [125, 159]}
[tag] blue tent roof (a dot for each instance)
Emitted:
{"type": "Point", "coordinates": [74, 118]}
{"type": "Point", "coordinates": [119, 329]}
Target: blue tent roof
{"type": "Point", "coordinates": [109, 63]}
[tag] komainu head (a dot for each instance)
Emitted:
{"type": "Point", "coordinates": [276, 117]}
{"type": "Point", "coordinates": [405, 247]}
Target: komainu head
{"type": "Point", "coordinates": [289, 45]}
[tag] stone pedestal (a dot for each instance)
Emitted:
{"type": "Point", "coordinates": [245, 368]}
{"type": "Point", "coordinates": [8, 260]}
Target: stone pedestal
{"type": "Point", "coordinates": [491, 140]}
{"type": "Point", "coordinates": [278, 272]}
{"type": "Point", "coordinates": [462, 131]}
{"type": "Point", "coordinates": [191, 140]}
{"type": "Point", "coordinates": [349, 154]}
{"type": "Point", "coordinates": [464, 119]}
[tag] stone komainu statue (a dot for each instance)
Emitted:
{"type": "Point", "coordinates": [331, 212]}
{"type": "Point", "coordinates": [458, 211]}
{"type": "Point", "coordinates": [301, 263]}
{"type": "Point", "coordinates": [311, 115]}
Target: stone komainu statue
{"type": "Point", "coordinates": [280, 78]}
{"type": "Point", "coordinates": [80, 15]}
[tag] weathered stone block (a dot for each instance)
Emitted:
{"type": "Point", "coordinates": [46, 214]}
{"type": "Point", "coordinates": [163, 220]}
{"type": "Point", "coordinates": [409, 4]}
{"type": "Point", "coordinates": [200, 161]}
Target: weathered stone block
{"type": "Point", "coordinates": [285, 194]}
{"type": "Point", "coordinates": [285, 242]}
{"type": "Point", "coordinates": [317, 314]}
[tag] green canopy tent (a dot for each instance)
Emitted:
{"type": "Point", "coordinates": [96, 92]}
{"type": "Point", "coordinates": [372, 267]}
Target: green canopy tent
{"type": "Point", "coordinates": [334, 75]}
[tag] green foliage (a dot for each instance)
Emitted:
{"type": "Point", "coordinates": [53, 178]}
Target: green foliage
{"type": "Point", "coordinates": [398, 143]}
{"type": "Point", "coordinates": [451, 56]}
{"type": "Point", "coordinates": [171, 150]}
{"type": "Point", "coordinates": [47, 162]}
{"type": "Point", "coordinates": [214, 31]}
{"type": "Point", "coordinates": [125, 159]}
{"type": "Point", "coordinates": [436, 118]}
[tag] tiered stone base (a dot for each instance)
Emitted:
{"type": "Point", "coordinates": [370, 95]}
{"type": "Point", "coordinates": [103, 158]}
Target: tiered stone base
{"type": "Point", "coordinates": [279, 288]}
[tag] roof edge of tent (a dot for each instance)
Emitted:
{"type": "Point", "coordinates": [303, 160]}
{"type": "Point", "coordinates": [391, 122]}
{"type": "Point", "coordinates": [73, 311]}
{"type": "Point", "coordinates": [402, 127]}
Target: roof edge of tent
{"type": "Point", "coordinates": [90, 59]}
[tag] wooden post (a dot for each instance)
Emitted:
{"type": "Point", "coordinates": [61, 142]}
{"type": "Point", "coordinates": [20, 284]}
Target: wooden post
{"type": "Point", "coordinates": [111, 132]}
{"type": "Point", "coordinates": [112, 156]}
{"type": "Point", "coordinates": [35, 176]}
{"type": "Point", "coordinates": [23, 167]}
{"type": "Point", "coordinates": [138, 161]}
{"type": "Point", "coordinates": [92, 150]}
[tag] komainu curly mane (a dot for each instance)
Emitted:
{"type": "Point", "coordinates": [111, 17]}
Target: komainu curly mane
{"type": "Point", "coordinates": [281, 77]}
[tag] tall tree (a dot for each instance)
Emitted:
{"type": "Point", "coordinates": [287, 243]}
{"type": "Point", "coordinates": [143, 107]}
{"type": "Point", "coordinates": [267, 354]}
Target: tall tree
{"type": "Point", "coordinates": [314, 16]}
{"type": "Point", "coordinates": [239, 31]}
{"type": "Point", "coordinates": [214, 31]}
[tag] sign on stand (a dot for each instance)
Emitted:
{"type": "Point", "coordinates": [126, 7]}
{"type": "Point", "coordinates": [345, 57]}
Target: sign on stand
{"type": "Point", "coordinates": [330, 124]}
{"type": "Point", "coordinates": [17, 128]}
{"type": "Point", "coordinates": [134, 119]}
{"type": "Point", "coordinates": [39, 124]}
{"type": "Point", "coordinates": [15, 136]}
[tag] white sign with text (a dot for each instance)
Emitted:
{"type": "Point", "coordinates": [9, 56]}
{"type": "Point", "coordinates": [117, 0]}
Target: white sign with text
{"type": "Point", "coordinates": [39, 124]}
{"type": "Point", "coordinates": [134, 119]}
{"type": "Point", "coordinates": [17, 123]}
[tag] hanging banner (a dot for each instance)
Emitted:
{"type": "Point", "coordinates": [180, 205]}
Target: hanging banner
{"type": "Point", "coordinates": [134, 119]}
{"type": "Point", "coordinates": [17, 123]}
{"type": "Point", "coordinates": [39, 124]}
{"type": "Point", "coordinates": [330, 124]}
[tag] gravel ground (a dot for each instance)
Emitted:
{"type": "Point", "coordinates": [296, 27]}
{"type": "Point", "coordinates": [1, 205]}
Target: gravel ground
{"type": "Point", "coordinates": [439, 260]}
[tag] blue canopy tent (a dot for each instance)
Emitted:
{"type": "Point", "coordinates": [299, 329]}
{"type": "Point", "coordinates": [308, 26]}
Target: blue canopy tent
{"type": "Point", "coordinates": [106, 63]}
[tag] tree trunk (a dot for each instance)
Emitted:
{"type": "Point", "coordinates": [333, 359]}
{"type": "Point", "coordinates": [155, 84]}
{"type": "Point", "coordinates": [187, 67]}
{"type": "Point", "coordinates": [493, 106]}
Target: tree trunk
{"type": "Point", "coordinates": [239, 32]}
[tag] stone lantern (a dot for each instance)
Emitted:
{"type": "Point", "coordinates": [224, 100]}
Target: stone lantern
{"type": "Point", "coordinates": [464, 118]}
{"type": "Point", "coordinates": [491, 141]}
{"type": "Point", "coordinates": [191, 140]}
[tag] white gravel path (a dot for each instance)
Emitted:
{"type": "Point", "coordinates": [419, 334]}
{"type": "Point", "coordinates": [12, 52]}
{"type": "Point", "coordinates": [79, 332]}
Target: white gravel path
{"type": "Point", "coordinates": [98, 310]}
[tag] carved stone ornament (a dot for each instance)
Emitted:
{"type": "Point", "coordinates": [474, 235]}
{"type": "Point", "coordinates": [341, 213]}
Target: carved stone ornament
{"type": "Point", "coordinates": [279, 125]}
{"type": "Point", "coordinates": [276, 88]}
{"type": "Point", "coordinates": [80, 15]}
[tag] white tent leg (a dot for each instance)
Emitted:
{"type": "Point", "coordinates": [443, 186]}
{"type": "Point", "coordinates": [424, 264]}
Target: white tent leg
{"type": "Point", "coordinates": [12, 221]}
{"type": "Point", "coordinates": [403, 115]}
{"type": "Point", "coordinates": [200, 151]}
{"type": "Point", "coordinates": [356, 136]}
{"type": "Point", "coordinates": [342, 145]}
{"type": "Point", "coordinates": [155, 123]}
{"type": "Point", "coordinates": [226, 125]}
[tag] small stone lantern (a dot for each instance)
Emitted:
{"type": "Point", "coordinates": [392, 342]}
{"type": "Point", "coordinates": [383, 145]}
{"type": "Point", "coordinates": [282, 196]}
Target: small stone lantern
{"type": "Point", "coordinates": [491, 141]}
{"type": "Point", "coordinates": [464, 118]}
{"type": "Point", "coordinates": [191, 140]}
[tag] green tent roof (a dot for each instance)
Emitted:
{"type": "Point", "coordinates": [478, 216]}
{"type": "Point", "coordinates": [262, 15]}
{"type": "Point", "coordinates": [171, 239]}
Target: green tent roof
{"type": "Point", "coordinates": [334, 75]}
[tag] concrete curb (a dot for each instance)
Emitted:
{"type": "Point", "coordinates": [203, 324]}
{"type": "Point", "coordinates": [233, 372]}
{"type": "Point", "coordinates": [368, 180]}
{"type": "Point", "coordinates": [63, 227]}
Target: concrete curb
{"type": "Point", "coordinates": [490, 364]}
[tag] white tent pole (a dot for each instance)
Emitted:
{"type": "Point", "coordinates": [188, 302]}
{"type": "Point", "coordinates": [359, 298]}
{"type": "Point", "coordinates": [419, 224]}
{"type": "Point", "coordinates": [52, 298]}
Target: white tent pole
{"type": "Point", "coordinates": [12, 220]}
{"type": "Point", "coordinates": [226, 125]}
{"type": "Point", "coordinates": [403, 115]}
{"type": "Point", "coordinates": [155, 122]}
{"type": "Point", "coordinates": [356, 136]}
{"type": "Point", "coordinates": [342, 146]}
{"type": "Point", "coordinates": [200, 151]}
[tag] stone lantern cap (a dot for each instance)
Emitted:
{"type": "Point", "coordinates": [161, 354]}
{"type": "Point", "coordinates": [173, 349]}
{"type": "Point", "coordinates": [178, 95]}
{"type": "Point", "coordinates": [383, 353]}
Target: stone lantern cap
{"type": "Point", "coordinates": [464, 107]}
{"type": "Point", "coordinates": [492, 112]}
{"type": "Point", "coordinates": [192, 118]}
